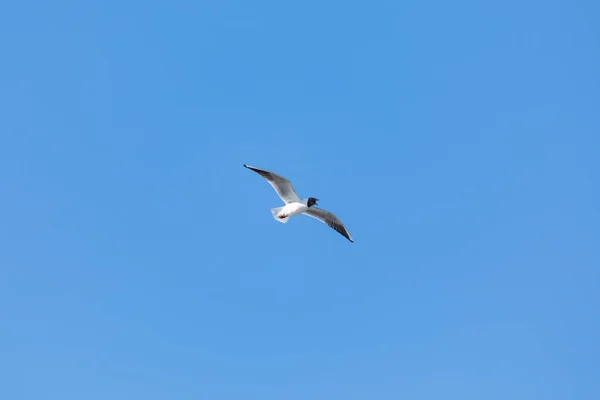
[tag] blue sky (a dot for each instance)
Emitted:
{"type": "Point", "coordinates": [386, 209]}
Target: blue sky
{"type": "Point", "coordinates": [458, 141]}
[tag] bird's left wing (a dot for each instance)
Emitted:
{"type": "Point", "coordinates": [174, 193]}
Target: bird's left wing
{"type": "Point", "coordinates": [282, 186]}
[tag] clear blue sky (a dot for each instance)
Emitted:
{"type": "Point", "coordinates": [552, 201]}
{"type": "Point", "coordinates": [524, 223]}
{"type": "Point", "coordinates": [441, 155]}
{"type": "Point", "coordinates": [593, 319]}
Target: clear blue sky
{"type": "Point", "coordinates": [459, 142]}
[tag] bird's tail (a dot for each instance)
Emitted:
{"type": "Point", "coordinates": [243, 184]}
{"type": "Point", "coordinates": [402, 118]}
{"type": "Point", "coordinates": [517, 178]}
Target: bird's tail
{"type": "Point", "coordinates": [279, 216]}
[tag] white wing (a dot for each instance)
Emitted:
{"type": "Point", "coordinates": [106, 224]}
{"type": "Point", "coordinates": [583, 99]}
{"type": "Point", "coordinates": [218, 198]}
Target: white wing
{"type": "Point", "coordinates": [282, 186]}
{"type": "Point", "coordinates": [329, 219]}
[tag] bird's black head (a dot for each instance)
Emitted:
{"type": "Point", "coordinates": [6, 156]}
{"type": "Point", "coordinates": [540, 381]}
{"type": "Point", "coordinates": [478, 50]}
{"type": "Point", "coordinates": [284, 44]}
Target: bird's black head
{"type": "Point", "coordinates": [311, 201]}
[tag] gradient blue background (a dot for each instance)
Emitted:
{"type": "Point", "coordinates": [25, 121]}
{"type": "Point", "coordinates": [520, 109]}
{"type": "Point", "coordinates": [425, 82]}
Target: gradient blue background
{"type": "Point", "coordinates": [459, 142]}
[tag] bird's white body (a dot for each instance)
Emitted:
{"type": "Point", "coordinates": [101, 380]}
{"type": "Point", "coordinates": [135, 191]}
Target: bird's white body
{"type": "Point", "coordinates": [283, 214]}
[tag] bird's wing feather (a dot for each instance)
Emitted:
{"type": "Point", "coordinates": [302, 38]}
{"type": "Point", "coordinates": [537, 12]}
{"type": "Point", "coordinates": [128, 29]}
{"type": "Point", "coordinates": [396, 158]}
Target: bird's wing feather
{"type": "Point", "coordinates": [329, 219]}
{"type": "Point", "coordinates": [282, 186]}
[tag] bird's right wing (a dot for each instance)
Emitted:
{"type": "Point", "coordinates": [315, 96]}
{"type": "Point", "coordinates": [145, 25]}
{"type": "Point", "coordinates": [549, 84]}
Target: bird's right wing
{"type": "Point", "coordinates": [329, 219]}
{"type": "Point", "coordinates": [282, 186]}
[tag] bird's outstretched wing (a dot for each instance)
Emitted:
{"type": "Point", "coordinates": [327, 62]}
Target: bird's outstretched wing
{"type": "Point", "coordinates": [329, 219]}
{"type": "Point", "coordinates": [282, 186]}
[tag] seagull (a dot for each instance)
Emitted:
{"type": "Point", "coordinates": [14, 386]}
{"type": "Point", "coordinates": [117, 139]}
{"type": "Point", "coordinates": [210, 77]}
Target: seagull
{"type": "Point", "coordinates": [295, 205]}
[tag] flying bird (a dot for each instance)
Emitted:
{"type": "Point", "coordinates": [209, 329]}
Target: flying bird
{"type": "Point", "coordinates": [295, 205]}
